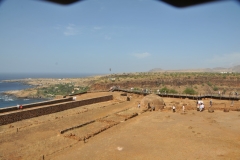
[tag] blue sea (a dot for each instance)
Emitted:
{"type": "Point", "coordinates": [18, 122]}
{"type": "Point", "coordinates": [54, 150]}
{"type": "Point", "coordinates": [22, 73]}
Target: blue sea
{"type": "Point", "coordinates": [9, 101]}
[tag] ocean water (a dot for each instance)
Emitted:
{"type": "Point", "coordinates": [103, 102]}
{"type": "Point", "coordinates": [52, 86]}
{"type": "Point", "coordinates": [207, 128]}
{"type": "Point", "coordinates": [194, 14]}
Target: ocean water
{"type": "Point", "coordinates": [9, 101]}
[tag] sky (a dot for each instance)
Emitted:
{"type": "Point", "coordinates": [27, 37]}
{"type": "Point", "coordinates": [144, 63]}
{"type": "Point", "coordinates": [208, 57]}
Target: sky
{"type": "Point", "coordinates": [93, 36]}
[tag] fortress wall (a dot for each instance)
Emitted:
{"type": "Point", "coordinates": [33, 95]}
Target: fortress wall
{"type": "Point", "coordinates": [47, 102]}
{"type": "Point", "coordinates": [8, 109]}
{"type": "Point", "coordinates": [53, 108]}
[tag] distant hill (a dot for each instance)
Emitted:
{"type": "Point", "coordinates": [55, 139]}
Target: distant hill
{"type": "Point", "coordinates": [217, 69]}
{"type": "Point", "coordinates": [236, 68]}
{"type": "Point", "coordinates": [156, 70]}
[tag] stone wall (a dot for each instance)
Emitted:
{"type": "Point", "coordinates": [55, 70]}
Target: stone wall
{"type": "Point", "coordinates": [53, 108]}
{"type": "Point", "coordinates": [8, 109]}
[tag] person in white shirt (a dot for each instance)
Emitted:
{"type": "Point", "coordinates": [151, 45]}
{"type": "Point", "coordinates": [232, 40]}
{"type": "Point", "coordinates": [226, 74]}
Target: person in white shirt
{"type": "Point", "coordinates": [201, 107]}
{"type": "Point", "coordinates": [174, 108]}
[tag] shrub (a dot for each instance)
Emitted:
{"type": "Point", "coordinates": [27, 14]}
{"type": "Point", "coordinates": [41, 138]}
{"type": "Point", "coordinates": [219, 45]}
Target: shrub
{"type": "Point", "coordinates": [215, 88]}
{"type": "Point", "coordinates": [168, 90]}
{"type": "Point", "coordinates": [190, 91]}
{"type": "Point", "coordinates": [164, 89]}
{"type": "Point", "coordinates": [224, 91]}
{"type": "Point", "coordinates": [173, 91]}
{"type": "Point", "coordinates": [210, 84]}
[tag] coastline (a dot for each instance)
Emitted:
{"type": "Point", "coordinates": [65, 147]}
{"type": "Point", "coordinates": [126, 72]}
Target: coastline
{"type": "Point", "coordinates": [38, 83]}
{"type": "Point", "coordinates": [26, 93]}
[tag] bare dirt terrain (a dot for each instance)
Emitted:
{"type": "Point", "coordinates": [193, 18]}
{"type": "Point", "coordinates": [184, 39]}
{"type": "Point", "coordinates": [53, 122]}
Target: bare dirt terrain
{"type": "Point", "coordinates": [113, 131]}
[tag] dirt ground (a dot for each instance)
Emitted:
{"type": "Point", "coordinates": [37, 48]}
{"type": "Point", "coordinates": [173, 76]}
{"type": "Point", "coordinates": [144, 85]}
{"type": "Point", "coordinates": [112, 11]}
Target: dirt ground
{"type": "Point", "coordinates": [113, 131]}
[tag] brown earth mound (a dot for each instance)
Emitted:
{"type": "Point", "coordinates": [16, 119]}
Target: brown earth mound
{"type": "Point", "coordinates": [152, 100]}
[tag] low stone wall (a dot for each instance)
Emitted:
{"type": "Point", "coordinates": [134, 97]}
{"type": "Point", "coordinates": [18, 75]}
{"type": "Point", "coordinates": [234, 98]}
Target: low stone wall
{"type": "Point", "coordinates": [53, 108]}
{"type": "Point", "coordinates": [8, 109]}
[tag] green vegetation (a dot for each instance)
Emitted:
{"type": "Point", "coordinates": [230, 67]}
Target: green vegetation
{"type": "Point", "coordinates": [190, 91]}
{"type": "Point", "coordinates": [172, 75]}
{"type": "Point", "coordinates": [209, 83]}
{"type": "Point", "coordinates": [136, 89]}
{"type": "Point", "coordinates": [165, 89]}
{"type": "Point", "coordinates": [215, 88]}
{"type": "Point", "coordinates": [224, 91]}
{"type": "Point", "coordinates": [60, 89]}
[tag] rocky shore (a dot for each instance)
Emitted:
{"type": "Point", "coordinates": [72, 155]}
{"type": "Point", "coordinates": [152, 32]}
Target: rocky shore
{"type": "Point", "coordinates": [27, 93]}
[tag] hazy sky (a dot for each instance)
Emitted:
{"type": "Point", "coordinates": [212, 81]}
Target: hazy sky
{"type": "Point", "coordinates": [125, 35]}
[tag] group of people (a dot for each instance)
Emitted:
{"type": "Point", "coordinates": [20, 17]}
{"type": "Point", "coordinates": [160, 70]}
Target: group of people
{"type": "Point", "coordinates": [200, 106]}
{"type": "Point", "coordinates": [174, 108]}
{"type": "Point", "coordinates": [19, 106]}
{"type": "Point", "coordinates": [233, 93]}
{"type": "Point", "coordinates": [74, 98]}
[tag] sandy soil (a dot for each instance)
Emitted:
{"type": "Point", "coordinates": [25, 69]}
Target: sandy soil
{"type": "Point", "coordinates": [150, 135]}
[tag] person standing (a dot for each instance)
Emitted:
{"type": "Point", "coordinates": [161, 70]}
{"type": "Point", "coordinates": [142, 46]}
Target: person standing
{"type": "Point", "coordinates": [200, 109]}
{"type": "Point", "coordinates": [152, 107]}
{"type": "Point", "coordinates": [210, 102]}
{"type": "Point", "coordinates": [183, 108]}
{"type": "Point", "coordinates": [198, 105]}
{"type": "Point", "coordinates": [174, 108]}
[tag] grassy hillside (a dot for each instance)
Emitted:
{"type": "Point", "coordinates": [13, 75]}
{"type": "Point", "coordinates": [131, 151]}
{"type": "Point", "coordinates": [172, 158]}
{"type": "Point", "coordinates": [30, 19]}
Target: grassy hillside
{"type": "Point", "coordinates": [192, 83]}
